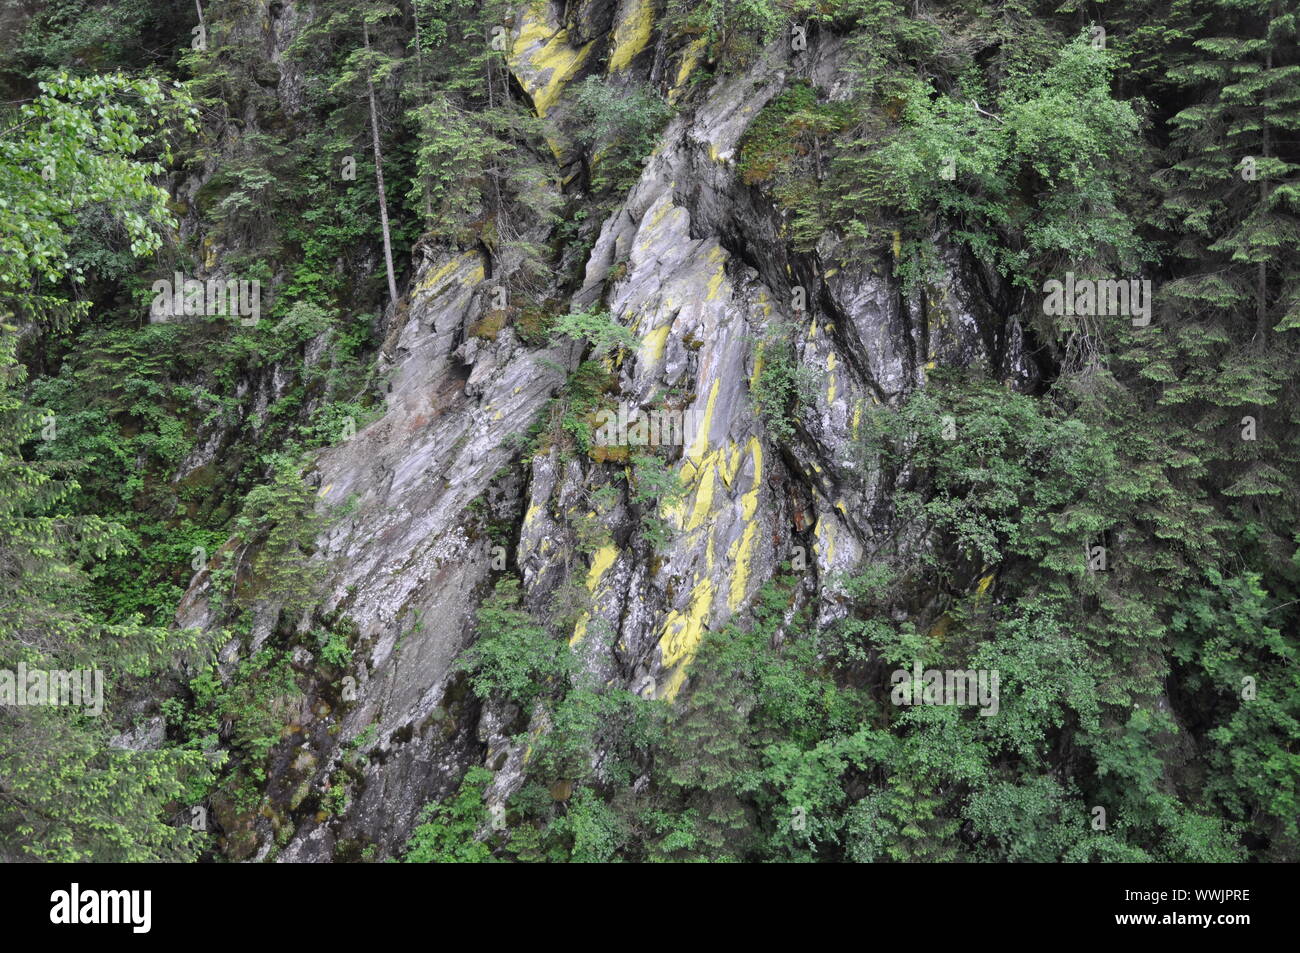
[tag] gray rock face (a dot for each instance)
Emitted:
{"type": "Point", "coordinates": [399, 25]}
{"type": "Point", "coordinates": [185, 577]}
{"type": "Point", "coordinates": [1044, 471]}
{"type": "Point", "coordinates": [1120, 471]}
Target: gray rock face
{"type": "Point", "coordinates": [144, 737]}
{"type": "Point", "coordinates": [408, 562]}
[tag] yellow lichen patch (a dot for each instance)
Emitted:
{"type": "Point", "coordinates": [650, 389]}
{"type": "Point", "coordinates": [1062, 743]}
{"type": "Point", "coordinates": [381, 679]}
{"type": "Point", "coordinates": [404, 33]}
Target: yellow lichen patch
{"type": "Point", "coordinates": [600, 563]}
{"type": "Point", "coordinates": [543, 61]}
{"type": "Point", "coordinates": [812, 329]}
{"type": "Point", "coordinates": [688, 473]}
{"type": "Point", "coordinates": [631, 34]}
{"type": "Point", "coordinates": [704, 494]}
{"type": "Point", "coordinates": [532, 513]}
{"type": "Point", "coordinates": [830, 371]}
{"type": "Point", "coordinates": [824, 541]}
{"type": "Point", "coordinates": [690, 59]}
{"type": "Point", "coordinates": [743, 550]}
{"type": "Point", "coordinates": [653, 344]}
{"type": "Point", "coordinates": [680, 638]}
{"type": "Point", "coordinates": [580, 628]}
{"type": "Point", "coordinates": [325, 490]}
{"type": "Point", "coordinates": [657, 216]}
{"type": "Point", "coordinates": [898, 244]}
{"type": "Point", "coordinates": [557, 146]}
{"type": "Point", "coordinates": [857, 418]}
{"type": "Point", "coordinates": [715, 283]}
{"type": "Point", "coordinates": [432, 281]}
{"type": "Point", "coordinates": [728, 472]}
{"type": "Point", "coordinates": [701, 443]}
{"type": "Point", "coordinates": [674, 684]}
{"type": "Point", "coordinates": [740, 578]}
{"type": "Point", "coordinates": [719, 257]}
{"type": "Point", "coordinates": [749, 503]}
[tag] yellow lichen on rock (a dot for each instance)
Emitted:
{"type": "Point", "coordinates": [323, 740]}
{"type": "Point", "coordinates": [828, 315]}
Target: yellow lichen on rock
{"type": "Point", "coordinates": [680, 637]}
{"type": "Point", "coordinates": [715, 283]}
{"type": "Point", "coordinates": [728, 473]}
{"type": "Point", "coordinates": [631, 33]}
{"type": "Point", "coordinates": [758, 368]}
{"type": "Point", "coordinates": [743, 549]}
{"type": "Point", "coordinates": [703, 494]}
{"type": "Point", "coordinates": [749, 503]}
{"type": "Point", "coordinates": [824, 541]}
{"type": "Point", "coordinates": [699, 447]}
{"type": "Point", "coordinates": [580, 628]}
{"type": "Point", "coordinates": [691, 57]}
{"type": "Point", "coordinates": [542, 59]}
{"type": "Point", "coordinates": [600, 563]}
{"type": "Point", "coordinates": [468, 261]}
{"type": "Point", "coordinates": [653, 344]}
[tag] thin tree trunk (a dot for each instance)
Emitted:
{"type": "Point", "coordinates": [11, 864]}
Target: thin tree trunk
{"type": "Point", "coordinates": [379, 171]}
{"type": "Point", "coordinates": [424, 101]}
{"type": "Point", "coordinates": [1261, 292]}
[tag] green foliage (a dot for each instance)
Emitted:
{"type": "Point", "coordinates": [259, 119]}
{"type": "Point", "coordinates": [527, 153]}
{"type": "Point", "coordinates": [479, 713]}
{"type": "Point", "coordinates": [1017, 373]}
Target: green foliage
{"type": "Point", "coordinates": [448, 832]}
{"type": "Point", "coordinates": [600, 331]}
{"type": "Point", "coordinates": [279, 522]}
{"type": "Point", "coordinates": [248, 712]}
{"type": "Point", "coordinates": [74, 147]}
{"type": "Point", "coordinates": [620, 123]}
{"type": "Point", "coordinates": [734, 30]}
{"type": "Point", "coordinates": [513, 656]}
{"type": "Point", "coordinates": [1164, 689]}
{"type": "Point", "coordinates": [68, 795]}
{"type": "Point", "coordinates": [782, 383]}
{"type": "Point", "coordinates": [792, 125]}
{"type": "Point", "coordinates": [654, 488]}
{"type": "Point", "coordinates": [1035, 177]}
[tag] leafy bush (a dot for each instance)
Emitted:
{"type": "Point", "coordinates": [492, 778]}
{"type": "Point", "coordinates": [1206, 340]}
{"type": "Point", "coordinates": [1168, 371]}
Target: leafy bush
{"type": "Point", "coordinates": [513, 656]}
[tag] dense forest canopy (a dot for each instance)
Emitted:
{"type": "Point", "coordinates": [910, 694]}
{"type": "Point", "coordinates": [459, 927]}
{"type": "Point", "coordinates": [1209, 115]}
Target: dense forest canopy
{"type": "Point", "coordinates": [1098, 516]}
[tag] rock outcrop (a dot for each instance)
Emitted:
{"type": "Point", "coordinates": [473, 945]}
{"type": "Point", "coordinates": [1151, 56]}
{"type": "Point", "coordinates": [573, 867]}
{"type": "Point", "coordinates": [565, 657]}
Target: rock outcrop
{"type": "Point", "coordinates": [695, 264]}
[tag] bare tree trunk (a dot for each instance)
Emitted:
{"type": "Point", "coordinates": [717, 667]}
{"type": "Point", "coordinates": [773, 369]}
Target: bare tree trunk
{"type": "Point", "coordinates": [379, 172]}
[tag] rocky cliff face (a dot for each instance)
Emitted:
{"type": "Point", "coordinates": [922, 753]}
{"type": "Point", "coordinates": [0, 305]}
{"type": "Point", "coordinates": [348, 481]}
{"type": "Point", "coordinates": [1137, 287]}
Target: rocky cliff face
{"type": "Point", "coordinates": [696, 265]}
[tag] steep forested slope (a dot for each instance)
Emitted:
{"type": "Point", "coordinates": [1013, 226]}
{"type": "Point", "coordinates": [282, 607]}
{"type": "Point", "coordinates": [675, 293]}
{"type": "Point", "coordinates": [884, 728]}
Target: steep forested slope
{"type": "Point", "coordinates": [619, 408]}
